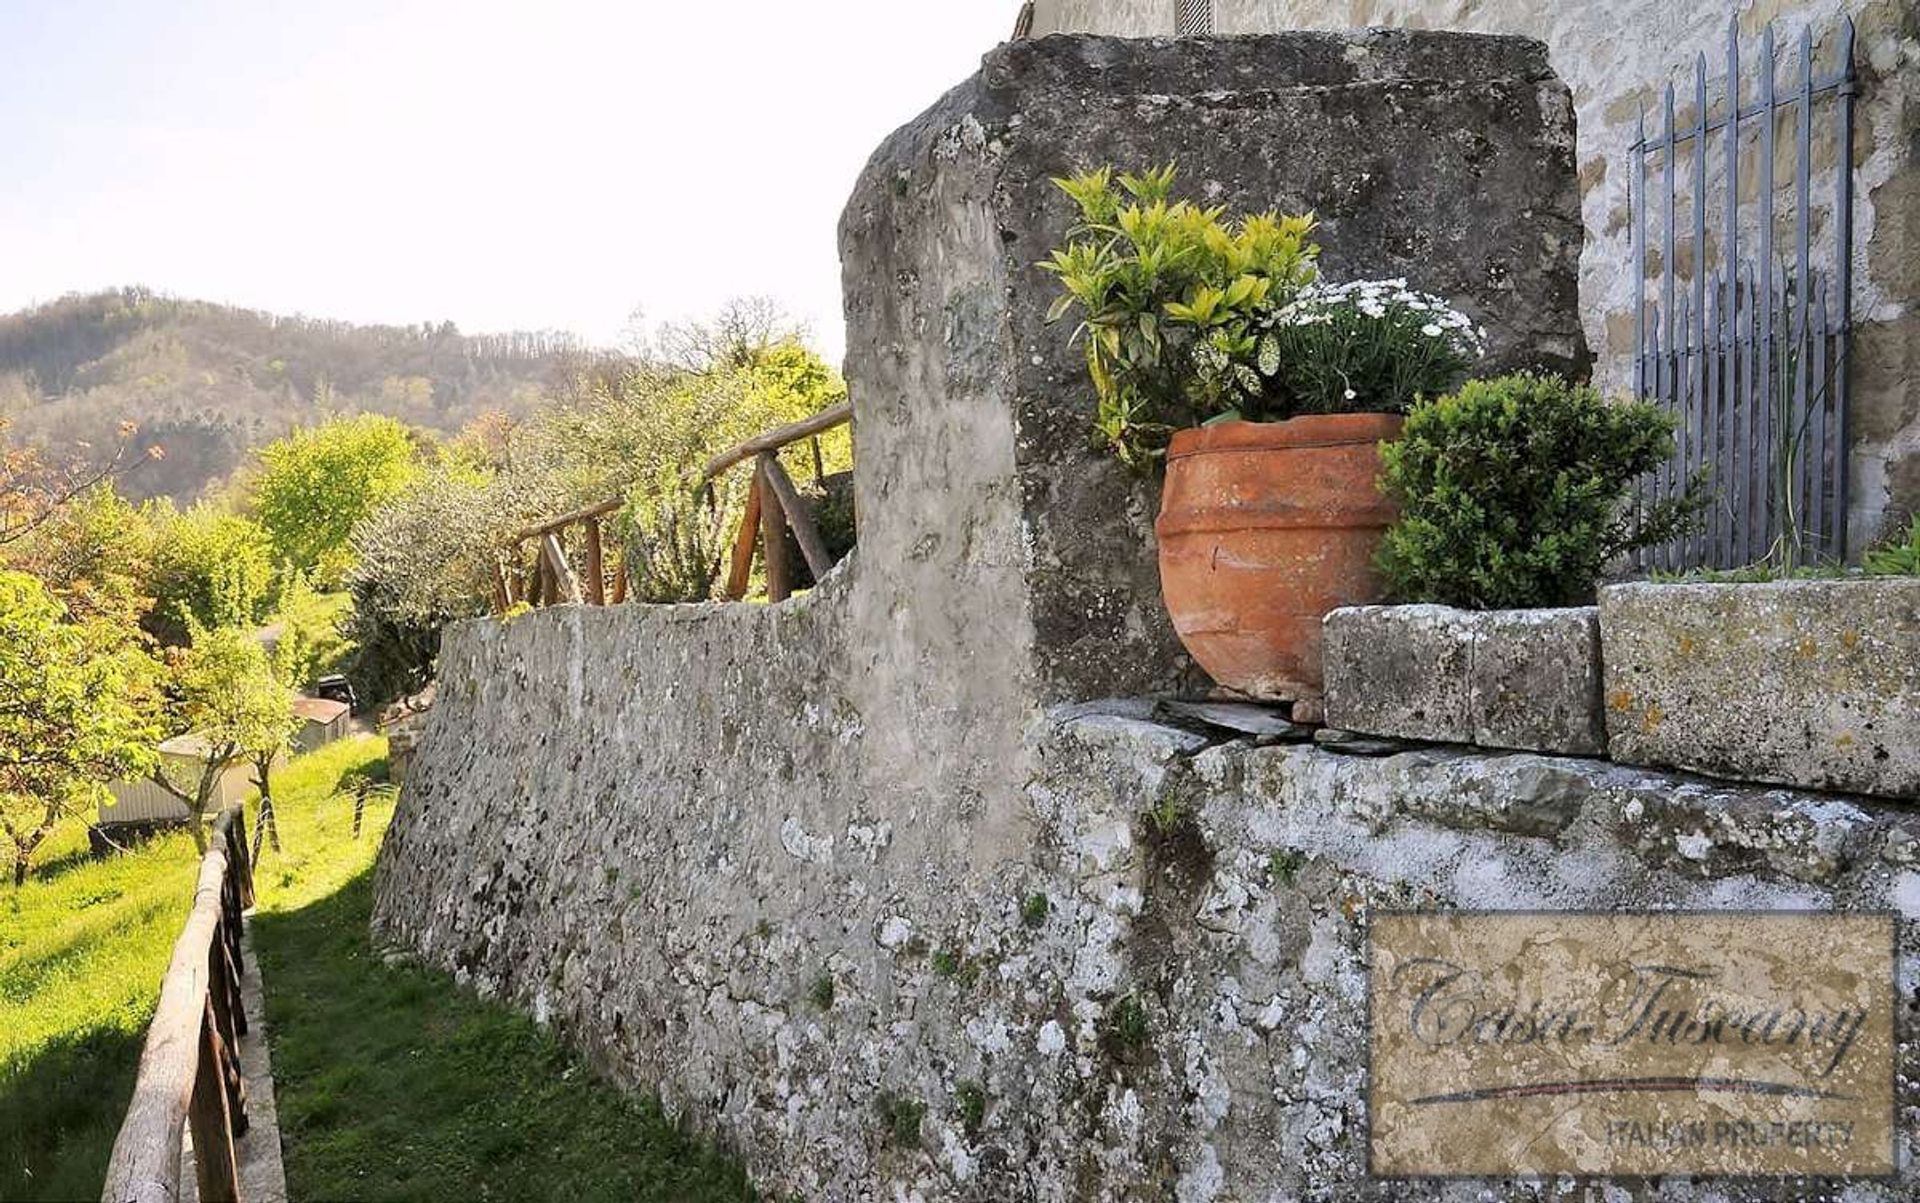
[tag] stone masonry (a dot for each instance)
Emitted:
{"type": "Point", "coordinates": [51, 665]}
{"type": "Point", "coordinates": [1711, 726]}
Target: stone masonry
{"type": "Point", "coordinates": [864, 886]}
{"type": "Point", "coordinates": [1522, 679]}
{"type": "Point", "coordinates": [1442, 157]}
{"type": "Point", "coordinates": [1157, 996]}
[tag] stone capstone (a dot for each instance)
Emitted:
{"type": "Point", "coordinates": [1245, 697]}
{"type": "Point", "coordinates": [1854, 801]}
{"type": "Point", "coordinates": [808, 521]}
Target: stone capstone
{"type": "Point", "coordinates": [1522, 679]}
{"type": "Point", "coordinates": [1812, 683]}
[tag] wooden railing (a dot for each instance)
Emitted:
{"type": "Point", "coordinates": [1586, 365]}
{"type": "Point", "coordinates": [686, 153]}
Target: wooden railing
{"type": "Point", "coordinates": [773, 505]}
{"type": "Point", "coordinates": [552, 580]}
{"type": "Point", "coordinates": [190, 1070]}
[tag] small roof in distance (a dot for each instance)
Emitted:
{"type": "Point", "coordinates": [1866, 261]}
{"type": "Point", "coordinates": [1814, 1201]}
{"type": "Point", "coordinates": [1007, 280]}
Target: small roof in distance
{"type": "Point", "coordinates": [319, 710]}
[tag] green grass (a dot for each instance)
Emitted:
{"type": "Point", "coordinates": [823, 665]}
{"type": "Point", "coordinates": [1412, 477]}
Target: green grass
{"type": "Point", "coordinates": [392, 1083]}
{"type": "Point", "coordinates": [82, 948]}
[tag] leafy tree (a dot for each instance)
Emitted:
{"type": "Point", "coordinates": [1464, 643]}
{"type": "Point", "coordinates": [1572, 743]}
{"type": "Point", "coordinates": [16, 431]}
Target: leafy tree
{"type": "Point", "coordinates": [210, 568]}
{"type": "Point", "coordinates": [227, 695]}
{"type": "Point", "coordinates": [71, 714]}
{"type": "Point", "coordinates": [316, 485]}
{"type": "Point", "coordinates": [93, 554]}
{"type": "Point", "coordinates": [421, 561]}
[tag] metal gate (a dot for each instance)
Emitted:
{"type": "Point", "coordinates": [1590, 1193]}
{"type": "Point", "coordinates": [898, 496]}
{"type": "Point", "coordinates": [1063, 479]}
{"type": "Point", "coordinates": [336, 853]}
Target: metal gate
{"type": "Point", "coordinates": [1745, 342]}
{"type": "Point", "coordinates": [1193, 18]}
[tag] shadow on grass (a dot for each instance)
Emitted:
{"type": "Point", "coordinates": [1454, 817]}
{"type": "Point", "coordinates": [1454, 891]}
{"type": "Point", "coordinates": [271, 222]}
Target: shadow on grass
{"type": "Point", "coordinates": [394, 1083]}
{"type": "Point", "coordinates": [60, 1111]}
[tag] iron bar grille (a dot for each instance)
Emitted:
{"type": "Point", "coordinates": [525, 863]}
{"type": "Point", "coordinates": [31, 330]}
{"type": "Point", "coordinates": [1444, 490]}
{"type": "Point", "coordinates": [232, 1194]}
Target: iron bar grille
{"type": "Point", "coordinates": [1193, 18]}
{"type": "Point", "coordinates": [1745, 341]}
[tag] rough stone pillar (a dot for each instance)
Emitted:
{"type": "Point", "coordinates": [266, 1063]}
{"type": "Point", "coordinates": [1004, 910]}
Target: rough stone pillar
{"type": "Point", "coordinates": [1446, 158]}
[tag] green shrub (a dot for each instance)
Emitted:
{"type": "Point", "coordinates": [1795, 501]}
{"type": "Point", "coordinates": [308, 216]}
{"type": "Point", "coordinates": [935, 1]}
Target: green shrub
{"type": "Point", "coordinates": [1513, 490]}
{"type": "Point", "coordinates": [1897, 556]}
{"type": "Point", "coordinates": [1169, 293]}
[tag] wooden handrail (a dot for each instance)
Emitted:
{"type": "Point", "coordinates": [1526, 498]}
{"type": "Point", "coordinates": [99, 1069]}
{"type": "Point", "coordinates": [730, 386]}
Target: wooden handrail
{"type": "Point", "coordinates": [553, 524]}
{"type": "Point", "coordinates": [773, 504]}
{"type": "Point", "coordinates": [189, 1072]}
{"type": "Point", "coordinates": [778, 437]}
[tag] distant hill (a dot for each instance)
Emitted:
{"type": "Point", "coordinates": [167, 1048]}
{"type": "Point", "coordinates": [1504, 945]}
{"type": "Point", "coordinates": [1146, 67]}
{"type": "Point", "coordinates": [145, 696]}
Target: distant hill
{"type": "Point", "coordinates": [210, 382]}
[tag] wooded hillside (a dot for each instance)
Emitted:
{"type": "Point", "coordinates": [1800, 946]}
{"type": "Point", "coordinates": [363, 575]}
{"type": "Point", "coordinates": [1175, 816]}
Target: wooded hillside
{"type": "Point", "coordinates": [209, 382]}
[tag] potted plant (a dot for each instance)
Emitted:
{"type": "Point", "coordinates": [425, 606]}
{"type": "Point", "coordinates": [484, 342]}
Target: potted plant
{"type": "Point", "coordinates": [1216, 352]}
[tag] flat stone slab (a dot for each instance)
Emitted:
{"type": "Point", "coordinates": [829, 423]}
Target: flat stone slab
{"type": "Point", "coordinates": [1807, 683]}
{"type": "Point", "coordinates": [1246, 718]}
{"type": "Point", "coordinates": [1522, 679]}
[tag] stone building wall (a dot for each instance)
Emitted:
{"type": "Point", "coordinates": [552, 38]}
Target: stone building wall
{"type": "Point", "coordinates": [1616, 58]}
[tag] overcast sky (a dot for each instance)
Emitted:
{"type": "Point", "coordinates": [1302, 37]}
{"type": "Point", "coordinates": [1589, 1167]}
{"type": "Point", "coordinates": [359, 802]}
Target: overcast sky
{"type": "Point", "coordinates": [536, 164]}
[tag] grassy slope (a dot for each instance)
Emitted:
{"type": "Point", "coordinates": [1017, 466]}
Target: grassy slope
{"type": "Point", "coordinates": [392, 1083]}
{"type": "Point", "coordinates": [395, 1084]}
{"type": "Point", "coordinates": [82, 948]}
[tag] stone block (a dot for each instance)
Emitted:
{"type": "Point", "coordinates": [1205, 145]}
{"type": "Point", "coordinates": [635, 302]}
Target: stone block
{"type": "Point", "coordinates": [1536, 680]}
{"type": "Point", "coordinates": [1522, 679]}
{"type": "Point", "coordinates": [1807, 683]}
{"type": "Point", "coordinates": [1403, 671]}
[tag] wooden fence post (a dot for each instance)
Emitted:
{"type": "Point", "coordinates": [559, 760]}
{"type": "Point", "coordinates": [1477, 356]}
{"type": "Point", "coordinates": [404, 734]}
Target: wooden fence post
{"type": "Point", "coordinates": [596, 569]}
{"type": "Point", "coordinates": [773, 537]}
{"type": "Point", "coordinates": [798, 517]}
{"type": "Point", "coordinates": [740, 566]}
{"type": "Point", "coordinates": [566, 584]}
{"type": "Point", "coordinates": [211, 1121]}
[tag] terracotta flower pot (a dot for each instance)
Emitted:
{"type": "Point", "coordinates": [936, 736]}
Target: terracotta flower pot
{"type": "Point", "coordinates": [1263, 528]}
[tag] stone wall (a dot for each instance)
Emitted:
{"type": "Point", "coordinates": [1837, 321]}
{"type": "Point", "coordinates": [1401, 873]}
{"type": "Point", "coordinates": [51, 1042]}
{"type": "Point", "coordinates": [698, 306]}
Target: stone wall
{"type": "Point", "coordinates": [1617, 57]}
{"type": "Point", "coordinates": [862, 886]}
{"type": "Point", "coordinates": [1156, 994]}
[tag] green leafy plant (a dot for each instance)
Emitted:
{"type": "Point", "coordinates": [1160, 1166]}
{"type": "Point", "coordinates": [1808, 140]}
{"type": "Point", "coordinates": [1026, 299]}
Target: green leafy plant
{"type": "Point", "coordinates": [1368, 346]}
{"type": "Point", "coordinates": [821, 991]}
{"type": "Point", "coordinates": [970, 1100]}
{"type": "Point", "coordinates": [901, 1118]}
{"type": "Point", "coordinates": [1033, 910]}
{"type": "Point", "coordinates": [1897, 556]}
{"type": "Point", "coordinates": [1169, 293]}
{"type": "Point", "coordinates": [1125, 1028]}
{"type": "Point", "coordinates": [1284, 866]}
{"type": "Point", "coordinates": [1513, 493]}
